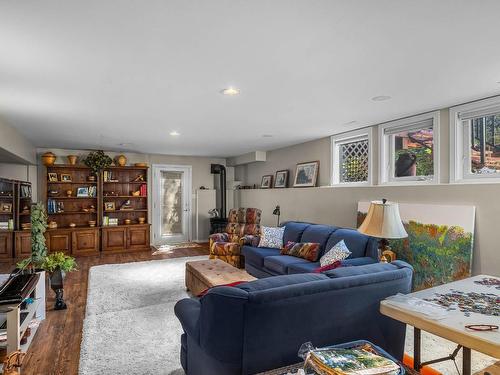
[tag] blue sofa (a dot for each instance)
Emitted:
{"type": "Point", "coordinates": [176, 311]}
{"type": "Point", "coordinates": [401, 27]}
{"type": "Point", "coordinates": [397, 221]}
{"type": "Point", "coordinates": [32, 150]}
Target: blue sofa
{"type": "Point", "coordinates": [264, 262]}
{"type": "Point", "coordinates": [260, 325]}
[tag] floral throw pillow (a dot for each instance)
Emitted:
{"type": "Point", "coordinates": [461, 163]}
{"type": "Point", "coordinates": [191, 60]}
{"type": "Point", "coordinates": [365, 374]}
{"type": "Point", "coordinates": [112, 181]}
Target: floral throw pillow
{"type": "Point", "coordinates": [338, 252]}
{"type": "Point", "coordinates": [272, 237]}
{"type": "Point", "coordinates": [306, 250]}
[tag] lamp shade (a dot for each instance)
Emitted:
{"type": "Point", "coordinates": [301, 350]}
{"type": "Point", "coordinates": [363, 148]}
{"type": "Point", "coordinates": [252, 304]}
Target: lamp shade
{"type": "Point", "coordinates": [383, 221]}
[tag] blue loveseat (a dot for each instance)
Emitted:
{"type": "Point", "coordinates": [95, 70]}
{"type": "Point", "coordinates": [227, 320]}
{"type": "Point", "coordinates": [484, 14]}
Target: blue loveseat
{"type": "Point", "coordinates": [260, 325]}
{"type": "Point", "coordinates": [264, 262]}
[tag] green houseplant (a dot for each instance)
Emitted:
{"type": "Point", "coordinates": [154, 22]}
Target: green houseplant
{"type": "Point", "coordinates": [56, 264]}
{"type": "Point", "coordinates": [97, 161]}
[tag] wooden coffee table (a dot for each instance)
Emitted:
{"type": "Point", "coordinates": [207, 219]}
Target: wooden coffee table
{"type": "Point", "coordinates": [204, 274]}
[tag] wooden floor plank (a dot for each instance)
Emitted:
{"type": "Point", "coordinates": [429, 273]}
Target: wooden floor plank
{"type": "Point", "coordinates": [56, 348]}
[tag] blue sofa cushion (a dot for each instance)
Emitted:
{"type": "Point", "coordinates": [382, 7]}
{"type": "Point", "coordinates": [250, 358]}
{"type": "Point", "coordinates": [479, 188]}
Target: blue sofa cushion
{"type": "Point", "coordinates": [279, 281]}
{"type": "Point", "coordinates": [319, 234]}
{"type": "Point", "coordinates": [358, 261]}
{"type": "Point", "coordinates": [302, 267]}
{"type": "Point", "coordinates": [293, 231]}
{"type": "Point", "coordinates": [355, 241]}
{"type": "Point", "coordinates": [280, 263]}
{"type": "Point", "coordinates": [361, 270]}
{"type": "Point", "coordinates": [256, 255]}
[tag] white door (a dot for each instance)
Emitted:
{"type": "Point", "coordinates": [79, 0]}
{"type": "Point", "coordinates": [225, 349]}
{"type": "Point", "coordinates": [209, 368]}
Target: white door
{"type": "Point", "coordinates": [171, 204]}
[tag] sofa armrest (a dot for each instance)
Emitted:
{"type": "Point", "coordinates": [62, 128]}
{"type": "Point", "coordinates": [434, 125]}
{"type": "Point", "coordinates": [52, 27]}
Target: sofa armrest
{"type": "Point", "coordinates": [219, 237]}
{"type": "Point", "coordinates": [250, 240]}
{"type": "Point", "coordinates": [187, 311]}
{"type": "Point", "coordinates": [358, 261]}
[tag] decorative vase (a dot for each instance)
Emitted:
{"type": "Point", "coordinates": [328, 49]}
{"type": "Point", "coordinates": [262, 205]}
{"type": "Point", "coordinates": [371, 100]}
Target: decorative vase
{"type": "Point", "coordinates": [72, 159]}
{"type": "Point", "coordinates": [48, 158]}
{"type": "Point", "coordinates": [121, 160]}
{"type": "Point", "coordinates": [56, 284]}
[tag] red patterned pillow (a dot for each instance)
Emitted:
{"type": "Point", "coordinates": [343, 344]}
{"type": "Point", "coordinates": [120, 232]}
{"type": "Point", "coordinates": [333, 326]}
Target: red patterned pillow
{"type": "Point", "coordinates": [329, 267]}
{"type": "Point", "coordinates": [306, 250]}
{"type": "Point", "coordinates": [288, 246]}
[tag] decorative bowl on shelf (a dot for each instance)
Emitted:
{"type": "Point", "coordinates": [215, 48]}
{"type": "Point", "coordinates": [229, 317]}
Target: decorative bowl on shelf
{"type": "Point", "coordinates": [69, 193]}
{"type": "Point", "coordinates": [141, 220]}
{"type": "Point", "coordinates": [53, 193]}
{"type": "Point", "coordinates": [48, 158]}
{"type": "Point", "coordinates": [141, 165]}
{"type": "Point", "coordinates": [128, 221]}
{"type": "Point", "coordinates": [52, 225]}
{"type": "Point", "coordinates": [72, 159]}
{"type": "Point", "coordinates": [92, 223]}
{"type": "Point", "coordinates": [72, 225]}
{"type": "Point", "coordinates": [136, 193]}
{"type": "Point", "coordinates": [121, 160]}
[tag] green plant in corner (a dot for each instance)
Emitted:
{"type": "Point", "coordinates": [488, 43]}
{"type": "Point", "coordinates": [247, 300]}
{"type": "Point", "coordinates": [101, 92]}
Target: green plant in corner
{"type": "Point", "coordinates": [60, 261]}
{"type": "Point", "coordinates": [97, 161]}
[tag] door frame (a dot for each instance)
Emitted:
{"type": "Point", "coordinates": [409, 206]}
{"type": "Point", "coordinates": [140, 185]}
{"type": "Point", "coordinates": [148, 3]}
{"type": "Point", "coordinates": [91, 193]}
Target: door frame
{"type": "Point", "coordinates": [187, 197]}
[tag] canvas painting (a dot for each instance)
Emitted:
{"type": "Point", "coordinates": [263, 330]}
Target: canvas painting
{"type": "Point", "coordinates": [439, 244]}
{"type": "Point", "coordinates": [306, 174]}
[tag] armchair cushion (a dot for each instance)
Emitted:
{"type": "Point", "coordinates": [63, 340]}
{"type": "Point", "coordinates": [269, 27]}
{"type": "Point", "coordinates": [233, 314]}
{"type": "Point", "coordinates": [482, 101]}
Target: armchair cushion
{"type": "Point", "coordinates": [219, 237]}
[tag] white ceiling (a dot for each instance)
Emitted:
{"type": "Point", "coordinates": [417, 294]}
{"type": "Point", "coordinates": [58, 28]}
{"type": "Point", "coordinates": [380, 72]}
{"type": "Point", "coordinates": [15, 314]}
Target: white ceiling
{"type": "Point", "coordinates": [97, 73]}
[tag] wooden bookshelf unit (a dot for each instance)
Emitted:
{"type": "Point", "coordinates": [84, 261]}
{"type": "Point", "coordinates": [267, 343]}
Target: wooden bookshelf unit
{"type": "Point", "coordinates": [108, 213]}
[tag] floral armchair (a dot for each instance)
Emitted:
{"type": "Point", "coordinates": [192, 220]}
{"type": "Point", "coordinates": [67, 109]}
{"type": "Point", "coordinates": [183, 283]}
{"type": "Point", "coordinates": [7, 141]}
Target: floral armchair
{"type": "Point", "coordinates": [243, 228]}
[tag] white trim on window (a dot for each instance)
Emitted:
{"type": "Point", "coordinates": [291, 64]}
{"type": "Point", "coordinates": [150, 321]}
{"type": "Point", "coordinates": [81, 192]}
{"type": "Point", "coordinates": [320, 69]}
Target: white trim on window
{"type": "Point", "coordinates": [386, 148]}
{"type": "Point", "coordinates": [344, 138]}
{"type": "Point", "coordinates": [460, 140]}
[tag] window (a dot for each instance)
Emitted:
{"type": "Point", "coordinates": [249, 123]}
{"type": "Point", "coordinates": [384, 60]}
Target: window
{"type": "Point", "coordinates": [409, 150]}
{"type": "Point", "coordinates": [351, 160]}
{"type": "Point", "coordinates": [475, 141]}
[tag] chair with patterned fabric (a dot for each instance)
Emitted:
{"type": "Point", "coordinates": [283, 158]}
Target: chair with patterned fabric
{"type": "Point", "coordinates": [243, 228]}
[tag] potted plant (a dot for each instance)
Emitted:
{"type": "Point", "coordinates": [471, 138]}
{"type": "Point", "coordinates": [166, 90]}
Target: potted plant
{"type": "Point", "coordinates": [97, 161]}
{"type": "Point", "coordinates": [56, 264]}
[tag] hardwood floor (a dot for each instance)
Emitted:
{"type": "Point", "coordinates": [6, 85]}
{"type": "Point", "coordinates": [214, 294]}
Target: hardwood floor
{"type": "Point", "coordinates": [56, 347]}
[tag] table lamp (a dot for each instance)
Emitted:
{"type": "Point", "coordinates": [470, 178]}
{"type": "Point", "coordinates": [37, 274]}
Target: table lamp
{"type": "Point", "coordinates": [383, 221]}
{"type": "Point", "coordinates": [277, 211]}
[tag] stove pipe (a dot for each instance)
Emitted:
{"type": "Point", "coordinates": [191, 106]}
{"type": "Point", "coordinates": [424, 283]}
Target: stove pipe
{"type": "Point", "coordinates": [221, 170]}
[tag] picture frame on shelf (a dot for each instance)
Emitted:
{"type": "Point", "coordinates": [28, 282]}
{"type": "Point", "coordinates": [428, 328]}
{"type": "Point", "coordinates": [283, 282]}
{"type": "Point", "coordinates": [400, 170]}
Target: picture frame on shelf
{"type": "Point", "coordinates": [82, 192]}
{"type": "Point", "coordinates": [267, 181]}
{"type": "Point", "coordinates": [281, 179]}
{"type": "Point", "coordinates": [52, 177]}
{"type": "Point", "coordinates": [6, 207]}
{"type": "Point", "coordinates": [306, 174]}
{"type": "Point", "coordinates": [109, 206]}
{"type": "Point", "coordinates": [65, 177]}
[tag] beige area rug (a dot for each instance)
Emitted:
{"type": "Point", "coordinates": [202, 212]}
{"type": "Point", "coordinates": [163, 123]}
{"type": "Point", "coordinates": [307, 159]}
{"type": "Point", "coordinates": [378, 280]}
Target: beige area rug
{"type": "Point", "coordinates": [168, 249]}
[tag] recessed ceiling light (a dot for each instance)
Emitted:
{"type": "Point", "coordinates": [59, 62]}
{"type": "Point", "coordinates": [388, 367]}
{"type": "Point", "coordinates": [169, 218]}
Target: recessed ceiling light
{"type": "Point", "coordinates": [381, 98]}
{"type": "Point", "coordinates": [230, 91]}
{"type": "Point", "coordinates": [267, 135]}
{"type": "Point", "coordinates": [174, 133]}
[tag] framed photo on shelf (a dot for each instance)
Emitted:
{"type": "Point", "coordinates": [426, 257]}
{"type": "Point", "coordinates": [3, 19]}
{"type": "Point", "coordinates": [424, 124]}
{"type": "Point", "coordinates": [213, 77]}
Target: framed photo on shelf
{"type": "Point", "coordinates": [281, 179]}
{"type": "Point", "coordinates": [82, 192]}
{"type": "Point", "coordinates": [306, 174]}
{"type": "Point", "coordinates": [65, 177]}
{"type": "Point", "coordinates": [109, 206]}
{"type": "Point", "coordinates": [52, 177]}
{"type": "Point", "coordinates": [6, 207]}
{"type": "Point", "coordinates": [267, 181]}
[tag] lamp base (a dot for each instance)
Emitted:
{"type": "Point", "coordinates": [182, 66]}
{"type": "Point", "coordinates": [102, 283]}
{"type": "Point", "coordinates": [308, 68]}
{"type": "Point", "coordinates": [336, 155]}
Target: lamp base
{"type": "Point", "coordinates": [386, 255]}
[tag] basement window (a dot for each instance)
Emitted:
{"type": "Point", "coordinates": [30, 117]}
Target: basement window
{"type": "Point", "coordinates": [475, 141]}
{"type": "Point", "coordinates": [351, 159]}
{"type": "Point", "coordinates": [409, 150]}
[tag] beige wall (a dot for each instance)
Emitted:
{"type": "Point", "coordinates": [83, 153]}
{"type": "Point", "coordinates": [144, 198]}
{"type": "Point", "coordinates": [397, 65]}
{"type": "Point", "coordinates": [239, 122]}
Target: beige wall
{"type": "Point", "coordinates": [337, 205]}
{"type": "Point", "coordinates": [13, 143]}
{"type": "Point", "coordinates": [201, 176]}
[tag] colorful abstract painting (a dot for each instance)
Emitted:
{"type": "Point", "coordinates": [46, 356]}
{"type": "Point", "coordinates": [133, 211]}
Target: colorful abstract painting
{"type": "Point", "coordinates": [439, 244]}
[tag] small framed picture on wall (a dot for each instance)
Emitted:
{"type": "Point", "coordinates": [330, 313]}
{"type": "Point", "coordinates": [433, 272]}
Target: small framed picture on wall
{"type": "Point", "coordinates": [267, 181]}
{"type": "Point", "coordinates": [52, 177]}
{"type": "Point", "coordinates": [306, 174]}
{"type": "Point", "coordinates": [281, 179]}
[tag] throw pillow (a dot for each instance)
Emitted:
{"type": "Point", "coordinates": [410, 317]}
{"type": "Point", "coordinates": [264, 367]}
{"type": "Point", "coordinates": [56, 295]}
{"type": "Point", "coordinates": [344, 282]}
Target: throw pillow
{"type": "Point", "coordinates": [338, 252]}
{"type": "Point", "coordinates": [288, 246]}
{"type": "Point", "coordinates": [328, 267]}
{"type": "Point", "coordinates": [306, 250]}
{"type": "Point", "coordinates": [272, 237]}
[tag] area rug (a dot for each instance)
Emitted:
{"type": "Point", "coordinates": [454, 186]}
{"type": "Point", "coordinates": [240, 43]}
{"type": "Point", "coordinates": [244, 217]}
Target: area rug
{"type": "Point", "coordinates": [130, 326]}
{"type": "Point", "coordinates": [169, 249]}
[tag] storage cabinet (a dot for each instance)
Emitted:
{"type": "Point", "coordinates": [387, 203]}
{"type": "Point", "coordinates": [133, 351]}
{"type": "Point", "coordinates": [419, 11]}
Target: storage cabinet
{"type": "Point", "coordinates": [6, 244]}
{"type": "Point", "coordinates": [59, 240]}
{"type": "Point", "coordinates": [22, 244]}
{"type": "Point", "coordinates": [85, 242]}
{"type": "Point", "coordinates": [125, 237]}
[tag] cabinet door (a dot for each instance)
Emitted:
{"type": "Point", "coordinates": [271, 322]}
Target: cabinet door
{"type": "Point", "coordinates": [22, 244]}
{"type": "Point", "coordinates": [6, 245]}
{"type": "Point", "coordinates": [114, 239]}
{"type": "Point", "coordinates": [138, 237]}
{"type": "Point", "coordinates": [85, 242]}
{"type": "Point", "coordinates": [59, 240]}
